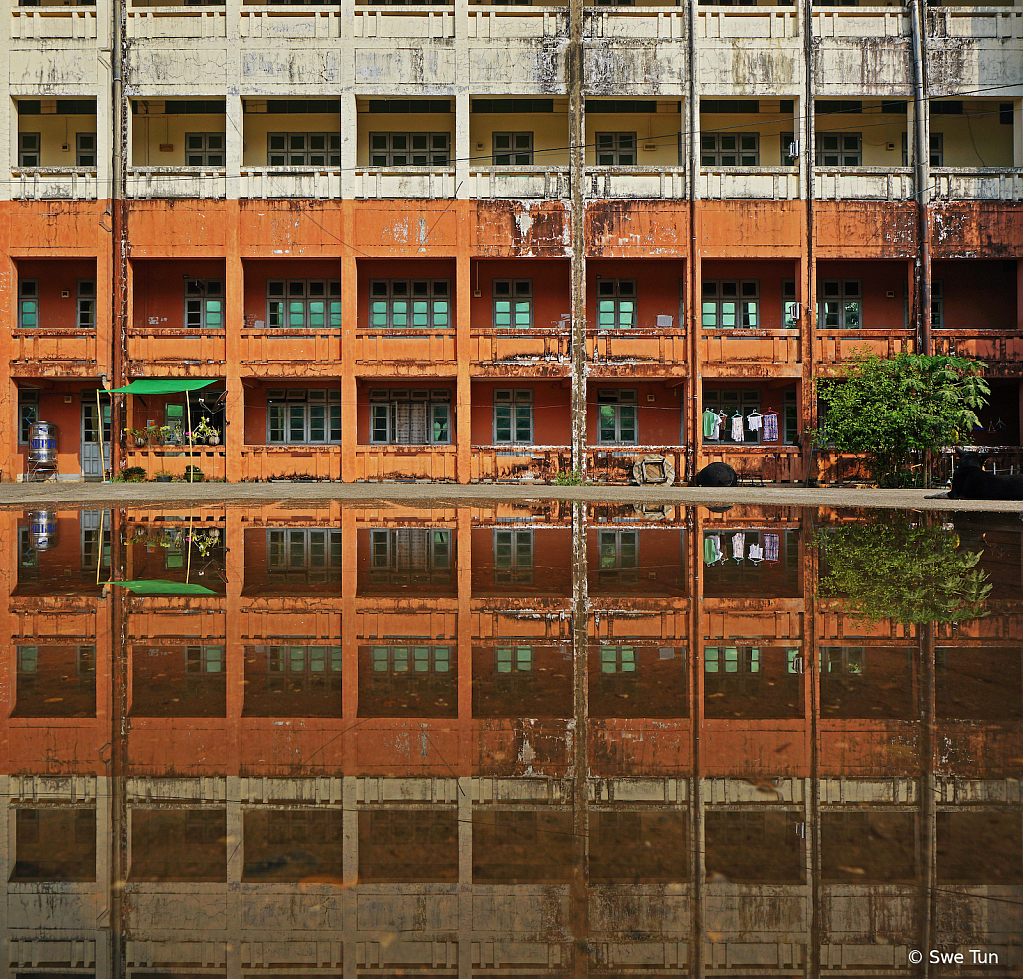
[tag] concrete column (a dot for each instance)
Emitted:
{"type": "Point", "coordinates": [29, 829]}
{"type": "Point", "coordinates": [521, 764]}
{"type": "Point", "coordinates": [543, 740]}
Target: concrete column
{"type": "Point", "coordinates": [460, 147]}
{"type": "Point", "coordinates": [234, 140]}
{"type": "Point", "coordinates": [106, 114]}
{"type": "Point", "coordinates": [8, 390]}
{"type": "Point", "coordinates": [349, 325]}
{"type": "Point", "coordinates": [349, 111]}
{"type": "Point", "coordinates": [1017, 131]}
{"type": "Point", "coordinates": [234, 297]}
{"type": "Point", "coordinates": [463, 346]}
{"type": "Point", "coordinates": [8, 117]}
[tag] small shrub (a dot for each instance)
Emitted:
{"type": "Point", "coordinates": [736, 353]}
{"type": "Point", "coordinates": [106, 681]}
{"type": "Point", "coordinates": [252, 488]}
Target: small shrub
{"type": "Point", "coordinates": [133, 474]}
{"type": "Point", "coordinates": [571, 478]}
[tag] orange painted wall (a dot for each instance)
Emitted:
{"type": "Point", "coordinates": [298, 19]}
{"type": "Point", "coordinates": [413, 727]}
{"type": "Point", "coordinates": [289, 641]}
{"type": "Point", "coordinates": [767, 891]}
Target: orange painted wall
{"type": "Point", "coordinates": [159, 289]}
{"type": "Point", "coordinates": [67, 418]}
{"type": "Point", "coordinates": [256, 272]}
{"type": "Point", "coordinates": [880, 312]}
{"type": "Point", "coordinates": [978, 295]}
{"type": "Point", "coordinates": [770, 276]}
{"type": "Point", "coordinates": [659, 287]}
{"type": "Point", "coordinates": [658, 422]}
{"type": "Point", "coordinates": [552, 411]}
{"type": "Point", "coordinates": [56, 312]}
{"type": "Point", "coordinates": [551, 289]}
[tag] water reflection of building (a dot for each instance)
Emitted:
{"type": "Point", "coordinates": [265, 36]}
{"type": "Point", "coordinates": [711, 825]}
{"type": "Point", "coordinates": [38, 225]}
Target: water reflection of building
{"type": "Point", "coordinates": [360, 753]}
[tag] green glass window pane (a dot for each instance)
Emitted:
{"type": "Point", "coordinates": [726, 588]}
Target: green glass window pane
{"type": "Point", "coordinates": [626, 314]}
{"type": "Point", "coordinates": [296, 423]}
{"type": "Point", "coordinates": [627, 423]}
{"type": "Point", "coordinates": [401, 659]}
{"type": "Point", "coordinates": [504, 660]}
{"type": "Point", "coordinates": [378, 313]}
{"type": "Point", "coordinates": [276, 423]}
{"type": "Point", "coordinates": [335, 313]}
{"type": "Point", "coordinates": [754, 664]}
{"type": "Point", "coordinates": [440, 423]}
{"type": "Point", "coordinates": [317, 423]}
{"type": "Point", "coordinates": [729, 315]}
{"type": "Point", "coordinates": [607, 423]}
{"type": "Point", "coordinates": [421, 659]}
{"type": "Point", "coordinates": [524, 658]}
{"type": "Point", "coordinates": [502, 314]}
{"type": "Point", "coordinates": [317, 314]}
{"type": "Point", "coordinates": [296, 314]}
{"type": "Point", "coordinates": [440, 313]}
{"type": "Point", "coordinates": [710, 660]}
{"type": "Point", "coordinates": [442, 659]}
{"type": "Point", "coordinates": [852, 315]}
{"type": "Point", "coordinates": [523, 313]}
{"type": "Point", "coordinates": [214, 659]}
{"type": "Point", "coordinates": [502, 423]}
{"type": "Point", "coordinates": [628, 660]}
{"type": "Point", "coordinates": [750, 315]}
{"type": "Point", "coordinates": [606, 314]}
{"type": "Point", "coordinates": [399, 313]}
{"type": "Point", "coordinates": [710, 315]}
{"type": "Point", "coordinates": [335, 425]}
{"type": "Point", "coordinates": [317, 660]}
{"type": "Point", "coordinates": [214, 312]}
{"type": "Point", "coordinates": [29, 313]}
{"type": "Point", "coordinates": [523, 424]}
{"type": "Point", "coordinates": [608, 660]}
{"type": "Point", "coordinates": [420, 314]}
{"type": "Point", "coordinates": [379, 659]}
{"type": "Point", "coordinates": [731, 660]}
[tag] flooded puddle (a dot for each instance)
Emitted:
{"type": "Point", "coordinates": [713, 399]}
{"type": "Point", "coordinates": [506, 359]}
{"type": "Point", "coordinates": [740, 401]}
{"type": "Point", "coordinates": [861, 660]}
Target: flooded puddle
{"type": "Point", "coordinates": [516, 741]}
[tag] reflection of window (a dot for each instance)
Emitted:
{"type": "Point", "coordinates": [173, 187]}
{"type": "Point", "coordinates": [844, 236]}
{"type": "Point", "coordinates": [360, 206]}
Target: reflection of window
{"type": "Point", "coordinates": [410, 417]}
{"type": "Point", "coordinates": [513, 557]}
{"type": "Point", "coordinates": [514, 659]}
{"type": "Point", "coordinates": [731, 659]}
{"type": "Point", "coordinates": [839, 304]}
{"type": "Point", "coordinates": [616, 149]}
{"type": "Point", "coordinates": [302, 669]}
{"type": "Point", "coordinates": [842, 660]}
{"type": "Point", "coordinates": [28, 556]}
{"type": "Point", "coordinates": [95, 526]}
{"type": "Point", "coordinates": [313, 304]}
{"type": "Point", "coordinates": [409, 149]}
{"type": "Point", "coordinates": [513, 417]}
{"type": "Point", "coordinates": [419, 304]}
{"type": "Point", "coordinates": [617, 660]}
{"type": "Point", "coordinates": [730, 149]}
{"type": "Point", "coordinates": [303, 150]}
{"type": "Point", "coordinates": [204, 660]}
{"type": "Point", "coordinates": [313, 554]}
{"type": "Point", "coordinates": [297, 416]}
{"type": "Point", "coordinates": [410, 556]}
{"type": "Point", "coordinates": [618, 553]}
{"type": "Point", "coordinates": [28, 303]}
{"type": "Point", "coordinates": [204, 303]}
{"type": "Point", "coordinates": [311, 827]}
{"type": "Point", "coordinates": [513, 149]}
{"type": "Point", "coordinates": [728, 304]}
{"type": "Point", "coordinates": [616, 412]}
{"type": "Point", "coordinates": [513, 304]}
{"type": "Point", "coordinates": [410, 663]}
{"type": "Point", "coordinates": [616, 304]}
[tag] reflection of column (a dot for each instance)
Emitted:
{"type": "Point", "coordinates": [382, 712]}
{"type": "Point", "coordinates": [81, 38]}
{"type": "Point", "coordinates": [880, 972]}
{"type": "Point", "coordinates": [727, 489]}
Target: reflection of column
{"type": "Point", "coordinates": [235, 859]}
{"type": "Point", "coordinates": [349, 875]}
{"type": "Point", "coordinates": [349, 324]}
{"type": "Point", "coordinates": [811, 683]}
{"type": "Point", "coordinates": [349, 634]}
{"type": "Point", "coordinates": [234, 648]}
{"type": "Point", "coordinates": [465, 889]}
{"type": "Point", "coordinates": [234, 318]}
{"type": "Point", "coordinates": [118, 768]}
{"type": "Point", "coordinates": [463, 565]}
{"type": "Point", "coordinates": [694, 519]}
{"type": "Point", "coordinates": [928, 788]}
{"type": "Point", "coordinates": [579, 908]}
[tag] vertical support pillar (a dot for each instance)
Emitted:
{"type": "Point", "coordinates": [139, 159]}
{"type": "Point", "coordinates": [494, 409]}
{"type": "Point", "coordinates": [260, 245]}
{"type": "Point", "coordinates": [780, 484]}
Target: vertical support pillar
{"type": "Point", "coordinates": [577, 177]}
{"type": "Point", "coordinates": [463, 341]}
{"type": "Point", "coordinates": [234, 317]}
{"type": "Point", "coordinates": [460, 149]}
{"type": "Point", "coordinates": [9, 422]}
{"type": "Point", "coordinates": [697, 845]}
{"type": "Point", "coordinates": [1017, 132]}
{"type": "Point", "coordinates": [922, 165]}
{"type": "Point", "coordinates": [349, 120]}
{"type": "Point", "coordinates": [349, 348]}
{"type": "Point", "coordinates": [695, 383]}
{"type": "Point", "coordinates": [808, 264]}
{"type": "Point", "coordinates": [463, 557]}
{"type": "Point", "coordinates": [234, 140]}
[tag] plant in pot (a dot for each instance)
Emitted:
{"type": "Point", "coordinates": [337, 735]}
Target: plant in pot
{"type": "Point", "coordinates": [133, 474]}
{"type": "Point", "coordinates": [163, 476]}
{"type": "Point", "coordinates": [193, 474]}
{"type": "Point", "coordinates": [205, 432]}
{"type": "Point", "coordinates": [139, 436]}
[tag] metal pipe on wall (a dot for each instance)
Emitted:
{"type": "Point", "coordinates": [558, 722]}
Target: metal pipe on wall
{"type": "Point", "coordinates": [922, 169]}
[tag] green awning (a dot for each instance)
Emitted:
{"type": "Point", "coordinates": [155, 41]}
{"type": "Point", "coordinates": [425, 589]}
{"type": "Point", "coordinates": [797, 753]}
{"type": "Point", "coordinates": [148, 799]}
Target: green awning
{"type": "Point", "coordinates": [153, 385]}
{"type": "Point", "coordinates": [156, 586]}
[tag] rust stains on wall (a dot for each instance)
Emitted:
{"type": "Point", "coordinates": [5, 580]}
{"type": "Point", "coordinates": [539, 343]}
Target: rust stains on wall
{"type": "Point", "coordinates": [636, 229]}
{"type": "Point", "coordinates": [866, 229]}
{"type": "Point", "coordinates": [523, 230]}
{"type": "Point", "coordinates": [976, 229]}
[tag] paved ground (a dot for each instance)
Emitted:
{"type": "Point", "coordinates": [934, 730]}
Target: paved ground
{"type": "Point", "coordinates": [22, 495]}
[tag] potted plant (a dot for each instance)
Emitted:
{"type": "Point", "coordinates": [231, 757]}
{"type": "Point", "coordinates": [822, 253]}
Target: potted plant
{"type": "Point", "coordinates": [193, 474]}
{"type": "Point", "coordinates": [163, 476]}
{"type": "Point", "coordinates": [133, 474]}
{"type": "Point", "coordinates": [139, 436]}
{"type": "Point", "coordinates": [205, 432]}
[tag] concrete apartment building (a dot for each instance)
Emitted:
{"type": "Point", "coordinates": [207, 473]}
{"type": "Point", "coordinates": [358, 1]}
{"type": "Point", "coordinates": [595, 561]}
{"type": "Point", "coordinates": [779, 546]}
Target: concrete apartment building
{"type": "Point", "coordinates": [473, 241]}
{"type": "Point", "coordinates": [591, 775]}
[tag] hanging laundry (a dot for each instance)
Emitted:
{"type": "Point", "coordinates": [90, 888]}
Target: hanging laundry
{"type": "Point", "coordinates": [756, 553]}
{"type": "Point", "coordinates": [754, 421]}
{"type": "Point", "coordinates": [711, 425]}
{"type": "Point", "coordinates": [771, 426]}
{"type": "Point", "coordinates": [738, 433]}
{"type": "Point", "coordinates": [739, 546]}
{"type": "Point", "coordinates": [712, 552]}
{"type": "Point", "coordinates": [771, 547]}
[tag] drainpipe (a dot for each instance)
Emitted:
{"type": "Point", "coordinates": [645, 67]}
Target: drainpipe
{"type": "Point", "coordinates": [577, 176]}
{"type": "Point", "coordinates": [921, 145]}
{"type": "Point", "coordinates": [119, 238]}
{"type": "Point", "coordinates": [694, 413]}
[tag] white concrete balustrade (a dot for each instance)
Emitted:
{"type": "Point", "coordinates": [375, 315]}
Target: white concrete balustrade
{"type": "Point", "coordinates": [747, 22]}
{"type": "Point", "coordinates": [379, 183]}
{"type": "Point", "coordinates": [499, 23]}
{"type": "Point", "coordinates": [984, 185]}
{"type": "Point", "coordinates": [54, 183]}
{"type": "Point", "coordinates": [317, 184]}
{"type": "Point", "coordinates": [74, 23]}
{"type": "Point", "coordinates": [149, 182]}
{"type": "Point", "coordinates": [409, 23]}
{"type": "Point", "coordinates": [290, 22]}
{"type": "Point", "coordinates": [660, 183]}
{"type": "Point", "coordinates": [756, 183]}
{"type": "Point", "coordinates": [549, 183]}
{"type": "Point", "coordinates": [863, 183]}
{"type": "Point", "coordinates": [156, 23]}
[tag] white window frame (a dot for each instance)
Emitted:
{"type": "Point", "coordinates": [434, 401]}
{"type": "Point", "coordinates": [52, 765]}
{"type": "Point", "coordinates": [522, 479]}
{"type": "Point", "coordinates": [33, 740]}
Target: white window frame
{"type": "Point", "coordinates": [617, 304]}
{"type": "Point", "coordinates": [738, 299]}
{"type": "Point", "coordinates": [201, 295]}
{"type": "Point", "coordinates": [415, 149]}
{"type": "Point", "coordinates": [618, 399]}
{"type": "Point", "coordinates": [517, 402]}
{"type": "Point", "coordinates": [282, 401]}
{"type": "Point", "coordinates": [843, 294]}
{"type": "Point", "coordinates": [293, 304]}
{"type": "Point", "coordinates": [298, 150]}
{"type": "Point", "coordinates": [513, 304]}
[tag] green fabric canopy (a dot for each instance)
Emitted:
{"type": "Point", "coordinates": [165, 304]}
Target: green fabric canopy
{"type": "Point", "coordinates": [153, 385]}
{"type": "Point", "coordinates": [156, 586]}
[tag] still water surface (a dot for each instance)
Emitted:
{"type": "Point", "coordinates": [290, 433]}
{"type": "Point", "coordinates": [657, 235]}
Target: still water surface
{"type": "Point", "coordinates": [511, 741]}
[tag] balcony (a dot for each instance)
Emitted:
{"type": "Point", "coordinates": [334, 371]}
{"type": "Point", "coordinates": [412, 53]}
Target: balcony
{"type": "Point", "coordinates": [54, 183]}
{"type": "Point", "coordinates": [405, 353]}
{"type": "Point", "coordinates": [172, 23]}
{"type": "Point", "coordinates": [546, 183]}
{"type": "Point", "coordinates": [290, 462]}
{"type": "Point", "coordinates": [659, 183]}
{"type": "Point", "coordinates": [636, 353]}
{"type": "Point", "coordinates": [152, 182]}
{"type": "Point", "coordinates": [269, 351]}
{"type": "Point", "coordinates": [837, 346]}
{"type": "Point", "coordinates": [49, 23]}
{"type": "Point", "coordinates": [53, 353]}
{"type": "Point", "coordinates": [405, 22]}
{"type": "Point", "coordinates": [863, 42]}
{"type": "Point", "coordinates": [749, 46]}
{"type": "Point", "coordinates": [281, 24]}
{"type": "Point", "coordinates": [211, 460]}
{"type": "Point", "coordinates": [756, 183]}
{"type": "Point", "coordinates": [614, 464]}
{"type": "Point", "coordinates": [1001, 350]}
{"type": "Point", "coordinates": [378, 183]}
{"type": "Point", "coordinates": [376, 463]}
{"type": "Point", "coordinates": [989, 184]}
{"type": "Point", "coordinates": [968, 48]}
{"type": "Point", "coordinates": [174, 352]}
{"type": "Point", "coordinates": [528, 353]}
{"type": "Point", "coordinates": [312, 183]}
{"type": "Point", "coordinates": [863, 183]}
{"type": "Point", "coordinates": [503, 23]}
{"type": "Point", "coordinates": [777, 349]}
{"type": "Point", "coordinates": [525, 463]}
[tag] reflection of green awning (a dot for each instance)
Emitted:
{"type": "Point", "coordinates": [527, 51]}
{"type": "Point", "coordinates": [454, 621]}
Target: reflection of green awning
{"type": "Point", "coordinates": [155, 385]}
{"type": "Point", "coordinates": [157, 586]}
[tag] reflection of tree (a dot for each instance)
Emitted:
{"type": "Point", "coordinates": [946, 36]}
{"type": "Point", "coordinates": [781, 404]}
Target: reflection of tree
{"type": "Point", "coordinates": [893, 568]}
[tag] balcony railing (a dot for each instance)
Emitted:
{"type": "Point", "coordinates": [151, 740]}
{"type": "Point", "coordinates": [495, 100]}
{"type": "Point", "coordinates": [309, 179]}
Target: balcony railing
{"type": "Point", "coordinates": [403, 462]}
{"type": "Point", "coordinates": [54, 183]}
{"type": "Point", "coordinates": [405, 22]}
{"type": "Point", "coordinates": [641, 182]}
{"type": "Point", "coordinates": [636, 23]}
{"type": "Point", "coordinates": [540, 351]}
{"type": "Point", "coordinates": [758, 183]}
{"type": "Point", "coordinates": [747, 22]}
{"type": "Point", "coordinates": [74, 23]}
{"type": "Point", "coordinates": [989, 184]}
{"type": "Point", "coordinates": [550, 183]}
{"type": "Point", "coordinates": [178, 352]}
{"type": "Point", "coordinates": [379, 183]}
{"type": "Point", "coordinates": [39, 348]}
{"type": "Point", "coordinates": [269, 182]}
{"type": "Point", "coordinates": [991, 346]}
{"type": "Point", "coordinates": [154, 182]}
{"type": "Point", "coordinates": [861, 22]}
{"type": "Point", "coordinates": [288, 23]}
{"type": "Point", "coordinates": [629, 351]}
{"type": "Point", "coordinates": [528, 463]}
{"type": "Point", "coordinates": [863, 183]}
{"type": "Point", "coordinates": [406, 351]}
{"type": "Point", "coordinates": [264, 462]}
{"type": "Point", "coordinates": [317, 352]}
{"type": "Point", "coordinates": [999, 23]}
{"type": "Point", "coordinates": [749, 346]}
{"type": "Point", "coordinates": [175, 22]}
{"type": "Point", "coordinates": [836, 346]}
{"type": "Point", "coordinates": [615, 463]}
{"type": "Point", "coordinates": [502, 23]}
{"type": "Point", "coordinates": [772, 463]}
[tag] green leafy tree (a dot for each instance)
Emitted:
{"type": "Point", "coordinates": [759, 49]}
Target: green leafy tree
{"type": "Point", "coordinates": [894, 568]}
{"type": "Point", "coordinates": [886, 409]}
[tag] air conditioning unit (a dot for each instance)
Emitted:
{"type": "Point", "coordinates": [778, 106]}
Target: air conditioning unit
{"type": "Point", "coordinates": [794, 148]}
